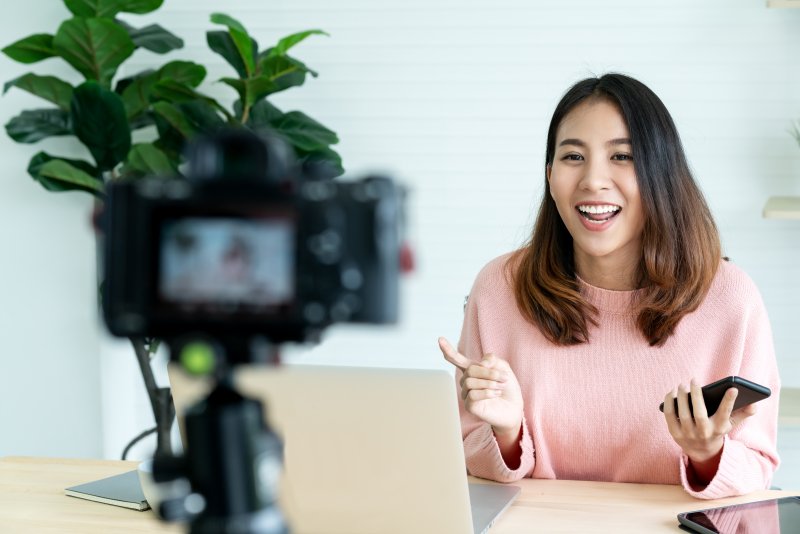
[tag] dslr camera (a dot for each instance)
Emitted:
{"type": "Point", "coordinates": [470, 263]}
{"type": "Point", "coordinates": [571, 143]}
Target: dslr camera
{"type": "Point", "coordinates": [251, 243]}
{"type": "Point", "coordinates": [251, 250]}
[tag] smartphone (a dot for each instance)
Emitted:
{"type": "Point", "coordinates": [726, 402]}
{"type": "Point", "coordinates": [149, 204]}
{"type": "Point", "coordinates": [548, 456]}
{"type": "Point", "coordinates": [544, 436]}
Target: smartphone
{"type": "Point", "coordinates": [749, 392]}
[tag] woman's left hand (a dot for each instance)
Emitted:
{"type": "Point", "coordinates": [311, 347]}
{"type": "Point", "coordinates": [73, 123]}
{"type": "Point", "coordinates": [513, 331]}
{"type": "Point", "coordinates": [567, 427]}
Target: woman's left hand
{"type": "Point", "coordinates": [700, 436]}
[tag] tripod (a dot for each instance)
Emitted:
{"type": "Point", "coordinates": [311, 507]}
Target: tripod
{"type": "Point", "coordinates": [232, 459]}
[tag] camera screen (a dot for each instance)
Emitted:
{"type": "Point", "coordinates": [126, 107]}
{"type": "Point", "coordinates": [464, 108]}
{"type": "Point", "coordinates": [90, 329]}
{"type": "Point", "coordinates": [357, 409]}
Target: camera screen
{"type": "Point", "coordinates": [226, 265]}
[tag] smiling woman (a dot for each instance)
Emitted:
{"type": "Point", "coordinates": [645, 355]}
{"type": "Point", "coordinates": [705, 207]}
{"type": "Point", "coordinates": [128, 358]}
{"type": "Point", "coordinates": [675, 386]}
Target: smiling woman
{"type": "Point", "coordinates": [620, 300]}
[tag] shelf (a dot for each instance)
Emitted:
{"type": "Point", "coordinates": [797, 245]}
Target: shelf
{"type": "Point", "coordinates": [789, 411]}
{"type": "Point", "coordinates": [782, 208]}
{"type": "Point", "coordinates": [783, 3]}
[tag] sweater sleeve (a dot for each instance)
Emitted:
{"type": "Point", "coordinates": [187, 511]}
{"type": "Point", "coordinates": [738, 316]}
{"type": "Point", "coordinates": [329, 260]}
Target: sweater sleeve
{"type": "Point", "coordinates": [749, 456]}
{"type": "Point", "coordinates": [481, 451]}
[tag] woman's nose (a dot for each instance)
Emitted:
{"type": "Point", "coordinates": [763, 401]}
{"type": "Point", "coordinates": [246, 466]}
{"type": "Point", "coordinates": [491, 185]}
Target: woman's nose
{"type": "Point", "coordinates": [597, 176]}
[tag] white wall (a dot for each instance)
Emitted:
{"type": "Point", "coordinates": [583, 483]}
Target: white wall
{"type": "Point", "coordinates": [49, 364]}
{"type": "Point", "coordinates": [453, 97]}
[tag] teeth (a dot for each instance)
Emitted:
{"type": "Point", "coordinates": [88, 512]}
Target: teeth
{"type": "Point", "coordinates": [607, 208]}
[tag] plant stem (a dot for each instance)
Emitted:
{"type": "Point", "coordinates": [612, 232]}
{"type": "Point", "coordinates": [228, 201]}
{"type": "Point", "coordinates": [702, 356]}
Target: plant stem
{"type": "Point", "coordinates": [160, 398]}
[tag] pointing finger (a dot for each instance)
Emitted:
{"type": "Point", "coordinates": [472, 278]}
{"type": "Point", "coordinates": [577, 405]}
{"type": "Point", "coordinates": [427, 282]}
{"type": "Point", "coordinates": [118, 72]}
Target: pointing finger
{"type": "Point", "coordinates": [453, 356]}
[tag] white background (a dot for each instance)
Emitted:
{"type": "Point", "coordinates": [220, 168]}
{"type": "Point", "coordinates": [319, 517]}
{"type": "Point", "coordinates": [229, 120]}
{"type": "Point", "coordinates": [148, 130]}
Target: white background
{"type": "Point", "coordinates": [453, 97]}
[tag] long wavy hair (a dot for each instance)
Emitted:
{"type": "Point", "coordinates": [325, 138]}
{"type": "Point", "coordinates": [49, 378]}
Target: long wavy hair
{"type": "Point", "coordinates": [680, 243]}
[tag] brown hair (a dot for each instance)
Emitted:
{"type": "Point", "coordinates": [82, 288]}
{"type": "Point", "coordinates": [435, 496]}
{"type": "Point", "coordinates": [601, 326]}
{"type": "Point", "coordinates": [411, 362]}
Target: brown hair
{"type": "Point", "coordinates": [680, 244]}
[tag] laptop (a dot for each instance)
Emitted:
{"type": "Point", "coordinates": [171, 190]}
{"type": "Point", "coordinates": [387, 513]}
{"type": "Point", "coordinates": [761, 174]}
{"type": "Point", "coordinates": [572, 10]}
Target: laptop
{"type": "Point", "coordinates": [366, 450]}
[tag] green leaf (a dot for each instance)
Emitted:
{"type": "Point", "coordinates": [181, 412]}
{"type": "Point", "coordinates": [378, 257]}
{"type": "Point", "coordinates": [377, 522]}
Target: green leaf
{"type": "Point", "coordinates": [329, 159]}
{"type": "Point", "coordinates": [252, 89]}
{"type": "Point", "coordinates": [241, 40]}
{"type": "Point", "coordinates": [202, 115]}
{"type": "Point", "coordinates": [95, 47]}
{"type": "Point", "coordinates": [110, 8]}
{"type": "Point", "coordinates": [140, 7]}
{"type": "Point", "coordinates": [184, 72]}
{"type": "Point", "coordinates": [175, 92]}
{"type": "Point", "coordinates": [40, 158]}
{"type": "Point", "coordinates": [100, 122]}
{"type": "Point", "coordinates": [38, 161]}
{"type": "Point", "coordinates": [35, 124]}
{"type": "Point", "coordinates": [31, 49]}
{"type": "Point", "coordinates": [136, 95]}
{"type": "Point", "coordinates": [141, 121]}
{"type": "Point", "coordinates": [289, 41]}
{"type": "Point", "coordinates": [170, 141]}
{"type": "Point", "coordinates": [137, 92]}
{"type": "Point", "coordinates": [304, 132]}
{"type": "Point", "coordinates": [153, 38]}
{"type": "Point", "coordinates": [259, 87]}
{"type": "Point", "coordinates": [284, 71]}
{"type": "Point", "coordinates": [262, 114]}
{"type": "Point", "coordinates": [147, 159]}
{"type": "Point", "coordinates": [175, 118]}
{"type": "Point", "coordinates": [222, 43]}
{"type": "Point", "coordinates": [227, 20]}
{"type": "Point", "coordinates": [48, 87]}
{"type": "Point", "coordinates": [178, 122]}
{"type": "Point", "coordinates": [238, 85]}
{"type": "Point", "coordinates": [123, 83]}
{"type": "Point", "coordinates": [58, 183]}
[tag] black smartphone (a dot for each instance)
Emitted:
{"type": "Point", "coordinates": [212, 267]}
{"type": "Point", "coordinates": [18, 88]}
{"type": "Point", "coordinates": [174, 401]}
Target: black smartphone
{"type": "Point", "coordinates": [749, 392]}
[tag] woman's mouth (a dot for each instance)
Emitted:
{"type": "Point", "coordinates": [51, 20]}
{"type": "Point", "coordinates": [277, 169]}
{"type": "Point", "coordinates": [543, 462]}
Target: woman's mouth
{"type": "Point", "coordinates": [598, 213]}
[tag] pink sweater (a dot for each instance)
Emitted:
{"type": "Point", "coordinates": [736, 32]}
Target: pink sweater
{"type": "Point", "coordinates": [591, 410]}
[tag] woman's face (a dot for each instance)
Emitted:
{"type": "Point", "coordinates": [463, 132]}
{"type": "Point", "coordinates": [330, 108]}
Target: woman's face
{"type": "Point", "coordinates": [593, 183]}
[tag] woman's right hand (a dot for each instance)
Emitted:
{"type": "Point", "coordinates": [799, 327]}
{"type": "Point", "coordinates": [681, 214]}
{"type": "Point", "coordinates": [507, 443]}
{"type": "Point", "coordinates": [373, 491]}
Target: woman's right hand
{"type": "Point", "coordinates": [489, 389]}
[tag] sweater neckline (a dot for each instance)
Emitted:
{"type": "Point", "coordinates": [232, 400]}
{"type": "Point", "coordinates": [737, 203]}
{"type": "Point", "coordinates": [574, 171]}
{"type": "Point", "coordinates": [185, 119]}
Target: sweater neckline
{"type": "Point", "coordinates": [609, 300]}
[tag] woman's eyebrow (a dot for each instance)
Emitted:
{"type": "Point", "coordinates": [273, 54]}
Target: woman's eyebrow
{"type": "Point", "coordinates": [578, 142]}
{"type": "Point", "coordinates": [620, 141]}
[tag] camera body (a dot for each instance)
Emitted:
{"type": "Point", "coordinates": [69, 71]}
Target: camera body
{"type": "Point", "coordinates": [250, 244]}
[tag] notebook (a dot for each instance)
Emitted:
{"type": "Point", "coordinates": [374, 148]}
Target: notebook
{"type": "Point", "coordinates": [366, 450]}
{"type": "Point", "coordinates": [120, 490]}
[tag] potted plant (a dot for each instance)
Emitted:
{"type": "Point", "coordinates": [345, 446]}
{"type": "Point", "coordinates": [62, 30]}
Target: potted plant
{"type": "Point", "coordinates": [103, 111]}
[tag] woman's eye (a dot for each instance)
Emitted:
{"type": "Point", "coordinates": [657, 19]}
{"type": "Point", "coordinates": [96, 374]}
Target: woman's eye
{"type": "Point", "coordinates": [572, 157]}
{"type": "Point", "coordinates": [622, 157]}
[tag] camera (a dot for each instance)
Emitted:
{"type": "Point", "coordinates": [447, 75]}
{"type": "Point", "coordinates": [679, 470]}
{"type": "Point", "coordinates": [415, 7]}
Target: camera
{"type": "Point", "coordinates": [250, 243]}
{"type": "Point", "coordinates": [251, 250]}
